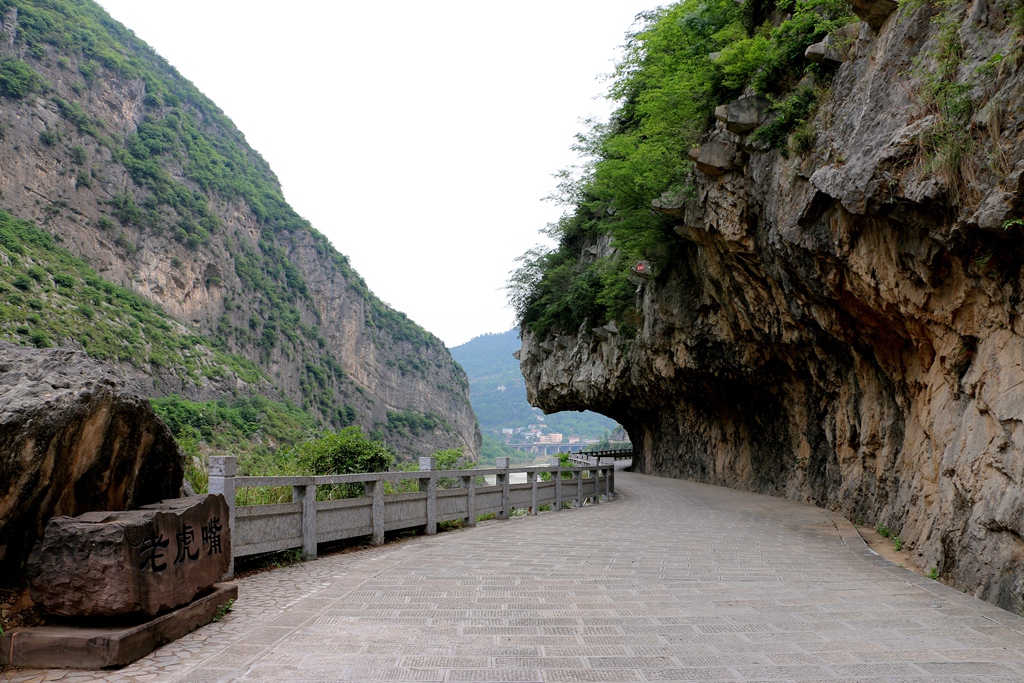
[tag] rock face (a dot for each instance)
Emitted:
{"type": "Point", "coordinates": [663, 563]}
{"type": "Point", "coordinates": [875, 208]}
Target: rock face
{"type": "Point", "coordinates": [133, 563]}
{"type": "Point", "coordinates": [844, 327]}
{"type": "Point", "coordinates": [71, 441]}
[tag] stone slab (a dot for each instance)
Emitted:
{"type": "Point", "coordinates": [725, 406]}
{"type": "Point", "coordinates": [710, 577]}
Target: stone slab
{"type": "Point", "coordinates": [136, 562]}
{"type": "Point", "coordinates": [82, 647]}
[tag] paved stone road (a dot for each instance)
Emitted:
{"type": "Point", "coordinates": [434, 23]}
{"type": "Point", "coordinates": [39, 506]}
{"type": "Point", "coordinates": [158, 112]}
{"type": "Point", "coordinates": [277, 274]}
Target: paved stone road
{"type": "Point", "coordinates": [674, 581]}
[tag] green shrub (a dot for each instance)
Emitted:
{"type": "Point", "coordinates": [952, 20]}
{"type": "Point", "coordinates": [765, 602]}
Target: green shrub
{"type": "Point", "coordinates": [347, 451]}
{"type": "Point", "coordinates": [17, 79]}
{"type": "Point", "coordinates": [414, 422]}
{"type": "Point", "coordinates": [786, 115]}
{"type": "Point", "coordinates": [40, 339]}
{"type": "Point", "coordinates": [665, 88]}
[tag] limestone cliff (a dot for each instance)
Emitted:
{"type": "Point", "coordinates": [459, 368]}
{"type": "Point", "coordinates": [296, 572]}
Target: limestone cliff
{"type": "Point", "coordinates": [127, 165]}
{"type": "Point", "coordinates": [843, 326]}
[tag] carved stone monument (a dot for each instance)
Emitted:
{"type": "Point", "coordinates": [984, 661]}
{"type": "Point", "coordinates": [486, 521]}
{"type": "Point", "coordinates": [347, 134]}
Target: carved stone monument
{"type": "Point", "coordinates": [132, 563]}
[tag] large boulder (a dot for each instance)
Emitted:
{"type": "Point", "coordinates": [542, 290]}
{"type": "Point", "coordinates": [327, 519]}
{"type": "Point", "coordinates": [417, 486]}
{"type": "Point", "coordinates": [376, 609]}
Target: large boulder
{"type": "Point", "coordinates": [874, 12]}
{"type": "Point", "coordinates": [715, 158]}
{"type": "Point", "coordinates": [743, 115]}
{"type": "Point", "coordinates": [131, 563]}
{"type": "Point", "coordinates": [71, 441]}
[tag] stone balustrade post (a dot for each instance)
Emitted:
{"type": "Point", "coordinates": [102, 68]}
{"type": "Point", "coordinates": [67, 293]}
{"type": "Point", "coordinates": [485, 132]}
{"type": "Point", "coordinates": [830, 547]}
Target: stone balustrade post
{"type": "Point", "coordinates": [578, 476]}
{"type": "Point", "coordinates": [609, 472]}
{"type": "Point", "coordinates": [595, 474]}
{"type": "Point", "coordinates": [469, 483]}
{"type": "Point", "coordinates": [531, 477]}
{"type": "Point", "coordinates": [375, 491]}
{"type": "Point", "coordinates": [429, 484]}
{"type": "Point", "coordinates": [306, 495]}
{"type": "Point", "coordinates": [555, 467]}
{"type": "Point", "coordinates": [222, 471]}
{"type": "Point", "coordinates": [502, 481]}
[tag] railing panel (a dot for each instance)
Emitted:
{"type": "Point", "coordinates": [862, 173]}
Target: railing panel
{"type": "Point", "coordinates": [546, 493]}
{"type": "Point", "coordinates": [266, 528]}
{"type": "Point", "coordinates": [452, 504]}
{"type": "Point", "coordinates": [340, 519]}
{"type": "Point", "coordinates": [488, 499]}
{"type": "Point", "coordinates": [405, 510]}
{"type": "Point", "coordinates": [520, 495]}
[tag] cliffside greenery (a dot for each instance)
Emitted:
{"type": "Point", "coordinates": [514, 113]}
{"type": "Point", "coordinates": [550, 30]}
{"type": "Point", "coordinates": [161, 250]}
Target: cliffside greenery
{"type": "Point", "coordinates": [189, 167]}
{"type": "Point", "coordinates": [666, 87]}
{"type": "Point", "coordinates": [181, 129]}
{"type": "Point", "coordinates": [47, 294]}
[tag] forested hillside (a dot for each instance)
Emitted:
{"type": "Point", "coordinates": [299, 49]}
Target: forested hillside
{"type": "Point", "coordinates": [140, 226]}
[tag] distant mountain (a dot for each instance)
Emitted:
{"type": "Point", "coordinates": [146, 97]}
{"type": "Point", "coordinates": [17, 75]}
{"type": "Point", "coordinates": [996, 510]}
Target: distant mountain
{"type": "Point", "coordinates": [498, 392]}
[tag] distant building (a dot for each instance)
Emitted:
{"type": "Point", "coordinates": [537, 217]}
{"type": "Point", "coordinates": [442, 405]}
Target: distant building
{"type": "Point", "coordinates": [550, 438]}
{"type": "Point", "coordinates": [574, 439]}
{"type": "Point", "coordinates": [507, 430]}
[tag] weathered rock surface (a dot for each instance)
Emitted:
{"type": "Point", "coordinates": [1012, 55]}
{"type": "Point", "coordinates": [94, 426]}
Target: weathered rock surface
{"type": "Point", "coordinates": [746, 113]}
{"type": "Point", "coordinates": [844, 327]}
{"type": "Point", "coordinates": [836, 47]}
{"type": "Point", "coordinates": [73, 441]}
{"type": "Point", "coordinates": [825, 52]}
{"type": "Point", "coordinates": [875, 12]}
{"type": "Point", "coordinates": [138, 562]}
{"type": "Point", "coordinates": [715, 158]}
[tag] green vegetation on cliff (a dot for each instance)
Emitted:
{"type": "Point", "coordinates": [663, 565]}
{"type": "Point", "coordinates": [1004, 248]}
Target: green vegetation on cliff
{"type": "Point", "coordinates": [666, 88]}
{"type": "Point", "coordinates": [181, 128]}
{"type": "Point", "coordinates": [190, 192]}
{"type": "Point", "coordinates": [47, 294]}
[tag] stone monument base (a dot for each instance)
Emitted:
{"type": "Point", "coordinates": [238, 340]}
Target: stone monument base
{"type": "Point", "coordinates": [83, 647]}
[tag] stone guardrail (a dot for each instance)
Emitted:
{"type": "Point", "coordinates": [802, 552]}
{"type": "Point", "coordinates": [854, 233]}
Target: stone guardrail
{"type": "Point", "coordinates": [306, 522]}
{"type": "Point", "coordinates": [588, 458]}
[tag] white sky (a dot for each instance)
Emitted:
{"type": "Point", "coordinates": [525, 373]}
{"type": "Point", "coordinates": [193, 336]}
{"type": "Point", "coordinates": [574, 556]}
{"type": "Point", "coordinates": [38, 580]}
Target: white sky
{"type": "Point", "coordinates": [420, 137]}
